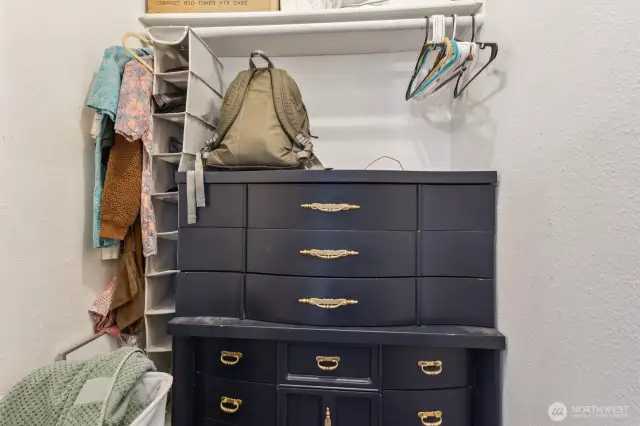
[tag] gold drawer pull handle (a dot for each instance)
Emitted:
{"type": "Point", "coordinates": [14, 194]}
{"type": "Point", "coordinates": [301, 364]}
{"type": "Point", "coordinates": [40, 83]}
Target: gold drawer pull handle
{"type": "Point", "coordinates": [425, 415]}
{"type": "Point", "coordinates": [327, 419]}
{"type": "Point", "coordinates": [328, 363]}
{"type": "Point", "coordinates": [225, 401]}
{"type": "Point", "coordinates": [330, 208]}
{"type": "Point", "coordinates": [230, 358]}
{"type": "Point", "coordinates": [329, 254]}
{"type": "Point", "coordinates": [328, 303]}
{"type": "Point", "coordinates": [430, 368]}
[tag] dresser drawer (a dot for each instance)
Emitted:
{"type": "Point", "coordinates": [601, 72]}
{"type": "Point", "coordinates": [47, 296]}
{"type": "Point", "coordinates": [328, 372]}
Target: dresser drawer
{"type": "Point", "coordinates": [211, 249]}
{"type": "Point", "coordinates": [457, 301]}
{"type": "Point", "coordinates": [225, 206]}
{"type": "Point", "coordinates": [458, 207]}
{"type": "Point", "coordinates": [414, 367]}
{"type": "Point", "coordinates": [209, 294]}
{"type": "Point", "coordinates": [450, 407]}
{"type": "Point", "coordinates": [309, 407]}
{"type": "Point", "coordinates": [237, 403]}
{"type": "Point", "coordinates": [331, 301]}
{"type": "Point", "coordinates": [457, 254]}
{"type": "Point", "coordinates": [248, 360]}
{"type": "Point", "coordinates": [331, 253]}
{"type": "Point", "coordinates": [328, 364]}
{"type": "Point", "coordinates": [333, 206]}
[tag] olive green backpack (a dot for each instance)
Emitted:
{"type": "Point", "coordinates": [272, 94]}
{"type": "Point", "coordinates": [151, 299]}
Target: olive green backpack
{"type": "Point", "coordinates": [263, 123]}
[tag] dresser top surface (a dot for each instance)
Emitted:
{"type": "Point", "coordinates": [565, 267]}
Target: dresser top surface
{"type": "Point", "coordinates": [349, 176]}
{"type": "Point", "coordinates": [434, 335]}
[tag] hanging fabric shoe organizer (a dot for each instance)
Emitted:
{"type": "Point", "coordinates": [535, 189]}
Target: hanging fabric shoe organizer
{"type": "Point", "coordinates": [187, 96]}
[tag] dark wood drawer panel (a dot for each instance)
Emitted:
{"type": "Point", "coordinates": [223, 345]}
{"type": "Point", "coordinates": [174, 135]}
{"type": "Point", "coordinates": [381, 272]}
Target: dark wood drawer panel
{"type": "Point", "coordinates": [306, 407]}
{"type": "Point", "coordinates": [225, 206]}
{"type": "Point", "coordinates": [366, 253]}
{"type": "Point", "coordinates": [331, 301]}
{"type": "Point", "coordinates": [211, 249]}
{"type": "Point", "coordinates": [209, 294]}
{"type": "Point", "coordinates": [326, 364]}
{"type": "Point", "coordinates": [410, 367]}
{"type": "Point", "coordinates": [450, 407]}
{"type": "Point", "coordinates": [458, 207]}
{"type": "Point", "coordinates": [248, 360]}
{"type": "Point", "coordinates": [457, 301]}
{"type": "Point", "coordinates": [457, 254]}
{"type": "Point", "coordinates": [236, 402]}
{"type": "Point", "coordinates": [333, 206]}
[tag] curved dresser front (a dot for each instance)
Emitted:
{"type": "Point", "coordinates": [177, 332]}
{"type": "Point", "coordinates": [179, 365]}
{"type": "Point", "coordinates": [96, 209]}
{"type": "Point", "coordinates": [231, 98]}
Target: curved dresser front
{"type": "Point", "coordinates": [304, 298]}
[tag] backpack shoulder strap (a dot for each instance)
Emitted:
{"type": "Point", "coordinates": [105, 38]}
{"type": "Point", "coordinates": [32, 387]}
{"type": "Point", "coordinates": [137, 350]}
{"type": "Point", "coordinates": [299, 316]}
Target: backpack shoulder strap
{"type": "Point", "coordinates": [292, 115]}
{"type": "Point", "coordinates": [231, 105]}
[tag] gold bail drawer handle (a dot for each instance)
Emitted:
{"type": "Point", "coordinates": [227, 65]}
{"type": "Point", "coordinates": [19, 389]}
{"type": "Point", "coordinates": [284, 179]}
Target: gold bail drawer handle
{"type": "Point", "coordinates": [328, 363]}
{"type": "Point", "coordinates": [230, 358]}
{"type": "Point", "coordinates": [329, 207]}
{"type": "Point", "coordinates": [425, 415]}
{"type": "Point", "coordinates": [230, 405]}
{"type": "Point", "coordinates": [430, 368]}
{"type": "Point", "coordinates": [329, 254]}
{"type": "Point", "coordinates": [328, 303]}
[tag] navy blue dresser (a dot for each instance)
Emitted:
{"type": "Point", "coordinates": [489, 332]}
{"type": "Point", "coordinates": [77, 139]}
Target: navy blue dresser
{"type": "Point", "coordinates": [338, 298]}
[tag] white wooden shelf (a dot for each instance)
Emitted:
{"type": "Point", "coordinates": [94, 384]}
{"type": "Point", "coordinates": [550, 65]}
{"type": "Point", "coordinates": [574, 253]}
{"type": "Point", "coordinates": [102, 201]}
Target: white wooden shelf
{"type": "Point", "coordinates": [321, 32]}
{"type": "Point", "coordinates": [350, 14]}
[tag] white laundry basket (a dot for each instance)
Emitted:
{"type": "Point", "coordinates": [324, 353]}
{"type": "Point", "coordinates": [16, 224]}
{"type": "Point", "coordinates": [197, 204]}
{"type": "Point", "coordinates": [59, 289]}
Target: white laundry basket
{"type": "Point", "coordinates": [154, 385]}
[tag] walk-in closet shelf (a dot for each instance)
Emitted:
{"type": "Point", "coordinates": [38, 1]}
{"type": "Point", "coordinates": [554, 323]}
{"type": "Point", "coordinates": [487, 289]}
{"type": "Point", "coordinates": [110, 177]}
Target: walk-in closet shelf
{"type": "Point", "coordinates": [183, 62]}
{"type": "Point", "coordinates": [321, 32]}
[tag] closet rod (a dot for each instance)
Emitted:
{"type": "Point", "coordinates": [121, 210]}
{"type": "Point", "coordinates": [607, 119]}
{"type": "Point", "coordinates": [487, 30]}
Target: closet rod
{"type": "Point", "coordinates": [463, 22]}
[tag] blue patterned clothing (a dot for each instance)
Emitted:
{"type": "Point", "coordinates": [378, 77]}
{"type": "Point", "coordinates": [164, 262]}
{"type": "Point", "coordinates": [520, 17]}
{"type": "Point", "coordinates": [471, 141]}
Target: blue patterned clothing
{"type": "Point", "coordinates": [104, 97]}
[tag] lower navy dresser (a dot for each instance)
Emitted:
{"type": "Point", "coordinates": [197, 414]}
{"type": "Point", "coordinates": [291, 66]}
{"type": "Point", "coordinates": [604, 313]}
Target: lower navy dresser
{"type": "Point", "coordinates": [338, 298]}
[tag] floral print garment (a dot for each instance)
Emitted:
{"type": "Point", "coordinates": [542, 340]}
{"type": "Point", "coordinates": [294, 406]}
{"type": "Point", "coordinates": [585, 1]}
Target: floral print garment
{"type": "Point", "coordinates": [133, 121]}
{"type": "Point", "coordinates": [103, 98]}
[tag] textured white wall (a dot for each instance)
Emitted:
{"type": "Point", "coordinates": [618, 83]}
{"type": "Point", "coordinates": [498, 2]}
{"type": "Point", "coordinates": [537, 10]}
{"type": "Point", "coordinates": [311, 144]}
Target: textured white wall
{"type": "Point", "coordinates": [559, 120]}
{"type": "Point", "coordinates": [48, 272]}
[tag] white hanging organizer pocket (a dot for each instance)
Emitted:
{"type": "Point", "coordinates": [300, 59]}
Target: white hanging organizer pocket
{"type": "Point", "coordinates": [183, 61]}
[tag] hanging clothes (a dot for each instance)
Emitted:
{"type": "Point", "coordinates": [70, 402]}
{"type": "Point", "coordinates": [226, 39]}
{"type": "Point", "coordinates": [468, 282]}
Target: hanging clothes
{"type": "Point", "coordinates": [128, 296]}
{"type": "Point", "coordinates": [133, 122]}
{"type": "Point", "coordinates": [104, 319]}
{"type": "Point", "coordinates": [104, 97]}
{"type": "Point", "coordinates": [121, 193]}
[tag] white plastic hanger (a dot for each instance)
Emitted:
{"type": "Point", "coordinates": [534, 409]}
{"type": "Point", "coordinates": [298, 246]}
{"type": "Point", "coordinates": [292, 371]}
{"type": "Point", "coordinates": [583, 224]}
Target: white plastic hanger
{"type": "Point", "coordinates": [429, 54]}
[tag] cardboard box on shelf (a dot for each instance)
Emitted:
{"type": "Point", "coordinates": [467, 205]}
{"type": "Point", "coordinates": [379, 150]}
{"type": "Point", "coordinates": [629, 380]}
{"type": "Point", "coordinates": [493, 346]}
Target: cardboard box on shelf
{"type": "Point", "coordinates": [205, 6]}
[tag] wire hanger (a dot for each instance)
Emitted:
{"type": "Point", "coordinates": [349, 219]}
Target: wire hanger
{"type": "Point", "coordinates": [482, 46]}
{"type": "Point", "coordinates": [494, 54]}
{"type": "Point", "coordinates": [143, 40]}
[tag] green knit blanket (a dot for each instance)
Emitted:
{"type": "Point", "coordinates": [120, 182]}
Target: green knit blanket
{"type": "Point", "coordinates": [101, 391]}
